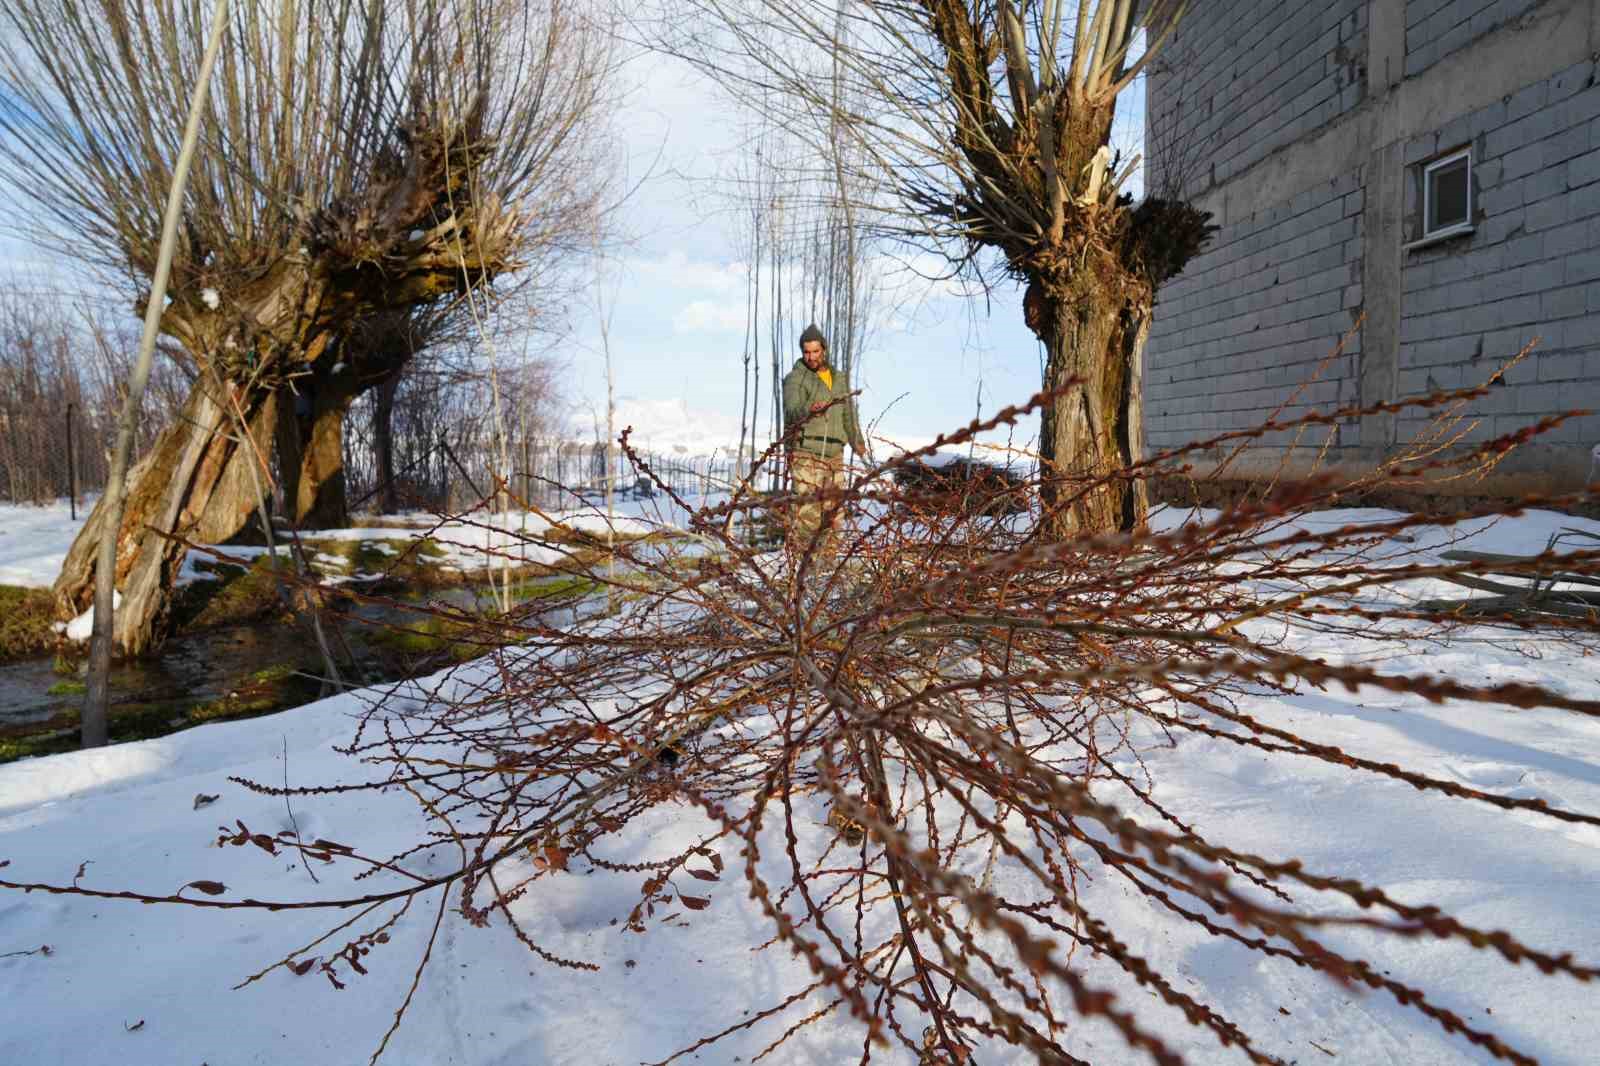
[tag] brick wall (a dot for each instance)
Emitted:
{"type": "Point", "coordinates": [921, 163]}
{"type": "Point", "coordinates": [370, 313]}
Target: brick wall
{"type": "Point", "coordinates": [1531, 268]}
{"type": "Point", "coordinates": [1250, 319]}
{"type": "Point", "coordinates": [1242, 81]}
{"type": "Point", "coordinates": [1435, 28]}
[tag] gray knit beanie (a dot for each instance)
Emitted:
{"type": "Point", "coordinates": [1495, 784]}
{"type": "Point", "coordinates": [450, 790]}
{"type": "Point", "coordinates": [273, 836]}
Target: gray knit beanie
{"type": "Point", "coordinates": [812, 333]}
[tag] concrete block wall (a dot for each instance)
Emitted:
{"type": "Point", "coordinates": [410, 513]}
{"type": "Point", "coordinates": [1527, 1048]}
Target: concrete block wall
{"type": "Point", "coordinates": [1436, 28]}
{"type": "Point", "coordinates": [1239, 83]}
{"type": "Point", "coordinates": [1529, 271]}
{"type": "Point", "coordinates": [1249, 320]}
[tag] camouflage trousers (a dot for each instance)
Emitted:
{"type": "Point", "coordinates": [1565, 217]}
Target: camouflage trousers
{"type": "Point", "coordinates": [811, 473]}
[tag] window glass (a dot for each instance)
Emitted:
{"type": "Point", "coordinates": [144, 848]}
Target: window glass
{"type": "Point", "coordinates": [1447, 194]}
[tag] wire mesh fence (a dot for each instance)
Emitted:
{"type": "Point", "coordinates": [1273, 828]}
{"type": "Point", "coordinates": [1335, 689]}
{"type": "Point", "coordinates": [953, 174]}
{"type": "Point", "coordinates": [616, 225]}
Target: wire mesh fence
{"type": "Point", "coordinates": [48, 453]}
{"type": "Point", "coordinates": [449, 474]}
{"type": "Point", "coordinates": [63, 374]}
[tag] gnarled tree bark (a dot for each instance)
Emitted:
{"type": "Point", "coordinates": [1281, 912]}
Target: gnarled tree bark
{"type": "Point", "coordinates": [193, 485]}
{"type": "Point", "coordinates": [1092, 312]}
{"type": "Point", "coordinates": [310, 438]}
{"type": "Point", "coordinates": [1091, 345]}
{"type": "Point", "coordinates": [363, 161]}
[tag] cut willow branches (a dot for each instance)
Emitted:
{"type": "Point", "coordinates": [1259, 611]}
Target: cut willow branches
{"type": "Point", "coordinates": [925, 753]}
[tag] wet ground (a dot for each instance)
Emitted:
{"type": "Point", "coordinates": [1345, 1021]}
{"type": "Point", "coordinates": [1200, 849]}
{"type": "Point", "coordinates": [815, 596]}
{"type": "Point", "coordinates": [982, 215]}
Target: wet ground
{"type": "Point", "coordinates": [266, 664]}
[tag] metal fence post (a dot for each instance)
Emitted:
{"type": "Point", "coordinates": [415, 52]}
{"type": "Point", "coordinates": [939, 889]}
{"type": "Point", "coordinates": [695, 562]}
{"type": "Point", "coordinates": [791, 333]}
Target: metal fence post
{"type": "Point", "coordinates": [72, 467]}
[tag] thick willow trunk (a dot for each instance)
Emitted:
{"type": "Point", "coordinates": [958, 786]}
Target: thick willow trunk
{"type": "Point", "coordinates": [1090, 433]}
{"type": "Point", "coordinates": [196, 485]}
{"type": "Point", "coordinates": [383, 443]}
{"type": "Point", "coordinates": [310, 437]}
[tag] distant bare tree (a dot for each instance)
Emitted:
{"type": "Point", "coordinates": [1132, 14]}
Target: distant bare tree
{"type": "Point", "coordinates": [988, 126]}
{"type": "Point", "coordinates": [360, 161]}
{"type": "Point", "coordinates": [58, 354]}
{"type": "Point", "coordinates": [795, 226]}
{"type": "Point", "coordinates": [392, 442]}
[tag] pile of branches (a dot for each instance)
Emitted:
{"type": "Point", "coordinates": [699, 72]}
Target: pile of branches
{"type": "Point", "coordinates": [967, 483]}
{"type": "Point", "coordinates": [964, 707]}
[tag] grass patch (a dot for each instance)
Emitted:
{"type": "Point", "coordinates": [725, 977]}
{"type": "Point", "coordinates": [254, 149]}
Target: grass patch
{"type": "Point", "coordinates": [549, 588]}
{"type": "Point", "coordinates": [26, 616]}
{"type": "Point", "coordinates": [397, 564]}
{"type": "Point", "coordinates": [379, 521]}
{"type": "Point", "coordinates": [237, 594]}
{"type": "Point", "coordinates": [67, 688]}
{"type": "Point", "coordinates": [433, 639]}
{"type": "Point", "coordinates": [559, 586]}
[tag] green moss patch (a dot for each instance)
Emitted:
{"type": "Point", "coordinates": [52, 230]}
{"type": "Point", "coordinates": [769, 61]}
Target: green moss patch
{"type": "Point", "coordinates": [430, 640]}
{"type": "Point", "coordinates": [435, 640]}
{"type": "Point", "coordinates": [559, 587]}
{"type": "Point", "coordinates": [26, 617]}
{"type": "Point", "coordinates": [67, 688]}
{"type": "Point", "coordinates": [236, 594]}
{"type": "Point", "coordinates": [396, 564]}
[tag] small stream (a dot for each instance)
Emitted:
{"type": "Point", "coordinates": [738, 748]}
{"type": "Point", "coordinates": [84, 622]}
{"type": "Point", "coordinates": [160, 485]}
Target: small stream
{"type": "Point", "coordinates": [199, 667]}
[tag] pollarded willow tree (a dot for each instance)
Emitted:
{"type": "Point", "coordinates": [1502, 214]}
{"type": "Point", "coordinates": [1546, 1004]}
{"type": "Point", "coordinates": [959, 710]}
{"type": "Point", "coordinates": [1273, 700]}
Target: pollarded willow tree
{"type": "Point", "coordinates": [989, 123]}
{"type": "Point", "coordinates": [360, 161]}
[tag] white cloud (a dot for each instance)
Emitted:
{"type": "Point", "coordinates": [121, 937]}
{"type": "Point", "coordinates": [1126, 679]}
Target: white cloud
{"type": "Point", "coordinates": [679, 271]}
{"type": "Point", "coordinates": [707, 316]}
{"type": "Point", "coordinates": [920, 276]}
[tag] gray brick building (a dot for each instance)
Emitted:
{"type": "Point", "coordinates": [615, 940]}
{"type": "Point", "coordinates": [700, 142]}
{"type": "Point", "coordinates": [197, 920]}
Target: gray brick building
{"type": "Point", "coordinates": [1418, 180]}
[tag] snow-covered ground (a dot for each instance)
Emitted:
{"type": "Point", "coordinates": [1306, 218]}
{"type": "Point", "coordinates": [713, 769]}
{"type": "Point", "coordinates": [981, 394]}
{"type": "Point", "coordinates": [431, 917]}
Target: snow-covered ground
{"type": "Point", "coordinates": [126, 983]}
{"type": "Point", "coordinates": [34, 541]}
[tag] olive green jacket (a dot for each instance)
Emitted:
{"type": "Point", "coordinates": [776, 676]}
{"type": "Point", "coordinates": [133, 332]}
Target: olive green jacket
{"type": "Point", "coordinates": [827, 433]}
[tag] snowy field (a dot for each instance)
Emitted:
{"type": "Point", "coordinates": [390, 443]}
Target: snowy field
{"type": "Point", "coordinates": [35, 540]}
{"type": "Point", "coordinates": [126, 983]}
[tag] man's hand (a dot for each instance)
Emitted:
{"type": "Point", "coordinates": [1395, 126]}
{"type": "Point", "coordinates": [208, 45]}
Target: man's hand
{"type": "Point", "coordinates": [819, 407]}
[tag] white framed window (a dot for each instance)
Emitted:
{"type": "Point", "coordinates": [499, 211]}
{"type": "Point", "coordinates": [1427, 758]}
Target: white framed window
{"type": "Point", "coordinates": [1447, 195]}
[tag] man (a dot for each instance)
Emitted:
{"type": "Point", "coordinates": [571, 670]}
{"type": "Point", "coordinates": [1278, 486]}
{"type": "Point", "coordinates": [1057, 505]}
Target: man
{"type": "Point", "coordinates": [816, 458]}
